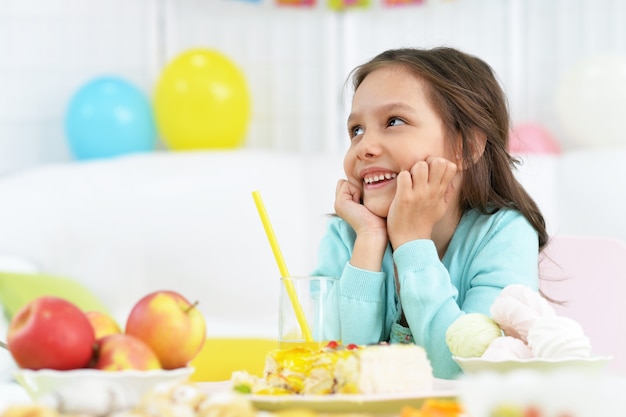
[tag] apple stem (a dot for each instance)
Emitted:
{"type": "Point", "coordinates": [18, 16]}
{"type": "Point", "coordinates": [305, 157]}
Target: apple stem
{"type": "Point", "coordinates": [4, 345]}
{"type": "Point", "coordinates": [192, 306]}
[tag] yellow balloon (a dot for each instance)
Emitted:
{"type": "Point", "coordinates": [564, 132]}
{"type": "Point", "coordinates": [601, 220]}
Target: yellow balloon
{"type": "Point", "coordinates": [202, 101]}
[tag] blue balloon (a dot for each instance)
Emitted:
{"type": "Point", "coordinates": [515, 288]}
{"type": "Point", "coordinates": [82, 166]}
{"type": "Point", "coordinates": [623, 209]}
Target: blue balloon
{"type": "Point", "coordinates": [108, 117]}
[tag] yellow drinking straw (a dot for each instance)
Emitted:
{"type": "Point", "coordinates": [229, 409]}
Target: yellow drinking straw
{"type": "Point", "coordinates": [282, 267]}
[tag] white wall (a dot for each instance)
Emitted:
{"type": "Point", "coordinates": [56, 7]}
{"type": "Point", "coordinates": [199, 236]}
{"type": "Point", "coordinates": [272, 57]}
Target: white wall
{"type": "Point", "coordinates": [47, 50]}
{"type": "Point", "coordinates": [295, 60]}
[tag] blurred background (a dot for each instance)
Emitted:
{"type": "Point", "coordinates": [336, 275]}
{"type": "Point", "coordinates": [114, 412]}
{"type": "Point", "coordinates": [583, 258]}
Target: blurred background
{"type": "Point", "coordinates": [295, 58]}
{"type": "Point", "coordinates": [86, 80]}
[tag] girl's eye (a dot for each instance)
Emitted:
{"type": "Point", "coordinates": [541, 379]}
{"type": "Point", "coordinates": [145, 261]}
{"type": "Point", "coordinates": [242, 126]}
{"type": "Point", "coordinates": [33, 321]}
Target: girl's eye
{"type": "Point", "coordinates": [395, 121]}
{"type": "Point", "coordinates": [356, 131]}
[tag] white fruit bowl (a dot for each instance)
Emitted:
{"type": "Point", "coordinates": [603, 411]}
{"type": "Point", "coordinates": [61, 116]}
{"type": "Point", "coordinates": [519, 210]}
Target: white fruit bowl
{"type": "Point", "coordinates": [94, 391]}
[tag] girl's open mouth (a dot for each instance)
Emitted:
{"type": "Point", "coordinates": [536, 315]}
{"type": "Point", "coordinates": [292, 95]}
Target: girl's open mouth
{"type": "Point", "coordinates": [379, 178]}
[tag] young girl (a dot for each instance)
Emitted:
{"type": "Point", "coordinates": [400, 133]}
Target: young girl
{"type": "Point", "coordinates": [431, 222]}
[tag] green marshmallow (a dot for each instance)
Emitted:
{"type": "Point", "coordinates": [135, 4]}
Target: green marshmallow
{"type": "Point", "coordinates": [470, 335]}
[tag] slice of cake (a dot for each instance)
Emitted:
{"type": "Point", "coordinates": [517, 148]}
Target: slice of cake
{"type": "Point", "coordinates": [338, 369]}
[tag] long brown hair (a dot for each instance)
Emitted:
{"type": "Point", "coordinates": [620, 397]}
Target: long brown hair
{"type": "Point", "coordinates": [465, 92]}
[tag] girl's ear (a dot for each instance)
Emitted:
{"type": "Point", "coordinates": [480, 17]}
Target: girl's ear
{"type": "Point", "coordinates": [476, 143]}
{"type": "Point", "coordinates": [479, 142]}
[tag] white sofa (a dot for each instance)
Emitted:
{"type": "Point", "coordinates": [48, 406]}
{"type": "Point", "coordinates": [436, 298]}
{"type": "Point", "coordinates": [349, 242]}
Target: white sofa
{"type": "Point", "coordinates": [187, 221]}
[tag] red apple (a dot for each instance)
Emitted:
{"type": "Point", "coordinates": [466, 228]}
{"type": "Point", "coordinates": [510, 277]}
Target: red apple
{"type": "Point", "coordinates": [173, 327]}
{"type": "Point", "coordinates": [103, 324]}
{"type": "Point", "coordinates": [50, 332]}
{"type": "Point", "coordinates": [117, 352]}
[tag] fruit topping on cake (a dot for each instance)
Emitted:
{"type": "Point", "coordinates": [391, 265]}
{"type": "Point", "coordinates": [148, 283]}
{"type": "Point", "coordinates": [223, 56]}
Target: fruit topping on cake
{"type": "Point", "coordinates": [339, 369]}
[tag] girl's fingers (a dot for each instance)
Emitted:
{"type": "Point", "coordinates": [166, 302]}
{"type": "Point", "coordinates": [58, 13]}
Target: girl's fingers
{"type": "Point", "coordinates": [404, 182]}
{"type": "Point", "coordinates": [448, 176]}
{"type": "Point", "coordinates": [339, 185]}
{"type": "Point", "coordinates": [441, 171]}
{"type": "Point", "coordinates": [344, 188]}
{"type": "Point", "coordinates": [420, 173]}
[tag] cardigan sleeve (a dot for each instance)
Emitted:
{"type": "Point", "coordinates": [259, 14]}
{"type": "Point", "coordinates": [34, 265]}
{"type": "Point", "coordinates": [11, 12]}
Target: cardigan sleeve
{"type": "Point", "coordinates": [428, 301]}
{"type": "Point", "coordinates": [361, 292]}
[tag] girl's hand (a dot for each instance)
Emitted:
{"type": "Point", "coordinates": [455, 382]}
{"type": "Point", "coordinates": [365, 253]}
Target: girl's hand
{"type": "Point", "coordinates": [348, 206]}
{"type": "Point", "coordinates": [371, 230]}
{"type": "Point", "coordinates": [420, 201]}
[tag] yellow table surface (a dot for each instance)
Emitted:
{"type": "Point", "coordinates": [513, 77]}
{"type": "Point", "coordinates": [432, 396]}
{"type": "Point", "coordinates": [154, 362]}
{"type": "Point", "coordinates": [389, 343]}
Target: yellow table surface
{"type": "Point", "coordinates": [219, 357]}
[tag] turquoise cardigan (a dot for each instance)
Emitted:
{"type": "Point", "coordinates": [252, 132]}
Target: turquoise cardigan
{"type": "Point", "coordinates": [486, 253]}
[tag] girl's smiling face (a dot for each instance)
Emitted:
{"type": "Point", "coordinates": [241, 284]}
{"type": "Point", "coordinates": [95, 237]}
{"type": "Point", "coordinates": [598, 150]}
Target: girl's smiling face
{"type": "Point", "coordinates": [392, 126]}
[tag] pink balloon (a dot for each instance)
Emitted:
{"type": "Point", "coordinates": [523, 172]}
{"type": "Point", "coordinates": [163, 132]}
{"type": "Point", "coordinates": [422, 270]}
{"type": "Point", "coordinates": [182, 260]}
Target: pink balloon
{"type": "Point", "coordinates": [532, 138]}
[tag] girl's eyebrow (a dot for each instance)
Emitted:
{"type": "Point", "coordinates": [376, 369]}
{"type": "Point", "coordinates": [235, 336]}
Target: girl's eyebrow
{"type": "Point", "coordinates": [391, 107]}
{"type": "Point", "coordinates": [387, 108]}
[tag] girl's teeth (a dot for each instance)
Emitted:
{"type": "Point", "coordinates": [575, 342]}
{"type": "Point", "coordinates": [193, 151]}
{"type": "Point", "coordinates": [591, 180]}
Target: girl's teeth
{"type": "Point", "coordinates": [381, 177]}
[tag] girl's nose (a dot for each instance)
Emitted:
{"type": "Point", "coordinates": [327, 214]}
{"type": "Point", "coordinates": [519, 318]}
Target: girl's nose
{"type": "Point", "coordinates": [368, 146]}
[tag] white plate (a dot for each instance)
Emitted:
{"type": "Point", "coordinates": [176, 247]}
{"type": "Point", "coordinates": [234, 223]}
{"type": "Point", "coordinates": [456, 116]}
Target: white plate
{"type": "Point", "coordinates": [91, 390]}
{"type": "Point", "coordinates": [473, 365]}
{"type": "Point", "coordinates": [353, 403]}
